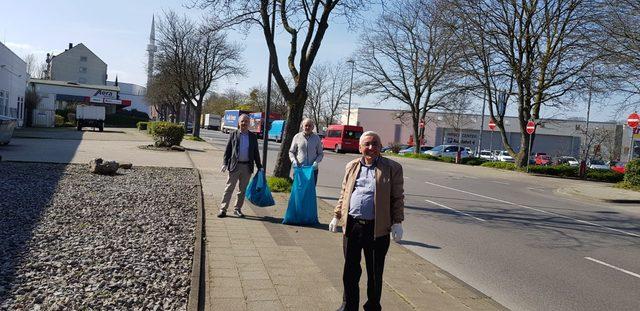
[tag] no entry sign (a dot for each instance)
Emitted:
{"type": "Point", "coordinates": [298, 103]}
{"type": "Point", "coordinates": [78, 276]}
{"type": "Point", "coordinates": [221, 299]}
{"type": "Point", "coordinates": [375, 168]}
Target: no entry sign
{"type": "Point", "coordinates": [531, 127]}
{"type": "Point", "coordinates": [492, 124]}
{"type": "Point", "coordinates": [633, 120]}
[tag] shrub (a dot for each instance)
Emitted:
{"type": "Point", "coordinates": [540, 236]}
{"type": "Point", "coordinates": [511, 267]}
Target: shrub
{"type": "Point", "coordinates": [606, 176]}
{"type": "Point", "coordinates": [501, 165]}
{"type": "Point", "coordinates": [194, 138]}
{"type": "Point", "coordinates": [142, 126]}
{"type": "Point", "coordinates": [555, 170]}
{"type": "Point", "coordinates": [126, 118]}
{"type": "Point", "coordinates": [394, 147]}
{"type": "Point", "coordinates": [632, 173]}
{"type": "Point", "coordinates": [167, 134]}
{"type": "Point", "coordinates": [472, 161]}
{"type": "Point", "coordinates": [59, 120]}
{"type": "Point", "coordinates": [279, 184]}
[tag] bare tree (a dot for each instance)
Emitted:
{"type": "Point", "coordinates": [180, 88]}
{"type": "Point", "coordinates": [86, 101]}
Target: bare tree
{"type": "Point", "coordinates": [318, 80]}
{"type": "Point", "coordinates": [456, 116]}
{"type": "Point", "coordinates": [165, 97]}
{"type": "Point", "coordinates": [410, 55]}
{"type": "Point", "coordinates": [197, 56]}
{"type": "Point", "coordinates": [35, 68]}
{"type": "Point", "coordinates": [538, 51]}
{"type": "Point", "coordinates": [307, 20]}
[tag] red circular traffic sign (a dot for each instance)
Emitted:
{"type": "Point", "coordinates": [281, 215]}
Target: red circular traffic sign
{"type": "Point", "coordinates": [422, 123]}
{"type": "Point", "coordinates": [492, 124]}
{"type": "Point", "coordinates": [633, 120]}
{"type": "Point", "coordinates": [531, 127]}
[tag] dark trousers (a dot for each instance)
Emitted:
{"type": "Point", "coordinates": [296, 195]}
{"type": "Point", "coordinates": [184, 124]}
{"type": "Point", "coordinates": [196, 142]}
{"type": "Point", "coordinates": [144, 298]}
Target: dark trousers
{"type": "Point", "coordinates": [358, 238]}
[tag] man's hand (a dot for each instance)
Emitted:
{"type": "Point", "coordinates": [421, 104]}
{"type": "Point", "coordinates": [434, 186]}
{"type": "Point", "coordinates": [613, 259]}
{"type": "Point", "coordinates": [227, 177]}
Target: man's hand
{"type": "Point", "coordinates": [315, 165]}
{"type": "Point", "coordinates": [333, 225]}
{"type": "Point", "coordinates": [223, 168]}
{"type": "Point", "coordinates": [396, 232]}
{"type": "Point", "coordinates": [295, 163]}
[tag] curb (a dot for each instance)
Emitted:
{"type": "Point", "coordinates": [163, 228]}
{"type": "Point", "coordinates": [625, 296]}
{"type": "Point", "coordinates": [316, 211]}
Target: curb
{"type": "Point", "coordinates": [571, 192]}
{"type": "Point", "coordinates": [196, 298]}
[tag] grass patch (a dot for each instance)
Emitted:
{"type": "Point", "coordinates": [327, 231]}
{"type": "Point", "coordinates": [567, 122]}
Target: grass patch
{"type": "Point", "coordinates": [278, 184]}
{"type": "Point", "coordinates": [194, 138]}
{"type": "Point", "coordinates": [626, 185]}
{"type": "Point", "coordinates": [501, 165]}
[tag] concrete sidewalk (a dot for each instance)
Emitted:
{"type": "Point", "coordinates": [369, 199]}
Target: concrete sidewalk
{"type": "Point", "coordinates": [257, 263]}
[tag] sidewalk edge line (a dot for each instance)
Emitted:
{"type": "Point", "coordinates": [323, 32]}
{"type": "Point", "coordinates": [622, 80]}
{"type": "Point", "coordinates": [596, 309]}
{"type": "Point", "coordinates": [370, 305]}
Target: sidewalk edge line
{"type": "Point", "coordinates": [196, 287]}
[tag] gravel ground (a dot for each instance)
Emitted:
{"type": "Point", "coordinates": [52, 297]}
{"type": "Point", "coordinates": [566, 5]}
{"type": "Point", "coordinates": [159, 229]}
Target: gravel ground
{"type": "Point", "coordinates": [72, 240]}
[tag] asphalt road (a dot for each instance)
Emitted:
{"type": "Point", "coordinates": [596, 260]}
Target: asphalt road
{"type": "Point", "coordinates": [510, 235]}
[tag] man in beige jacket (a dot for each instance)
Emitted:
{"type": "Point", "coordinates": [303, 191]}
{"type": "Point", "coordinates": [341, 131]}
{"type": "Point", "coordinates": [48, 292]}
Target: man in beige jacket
{"type": "Point", "coordinates": [371, 206]}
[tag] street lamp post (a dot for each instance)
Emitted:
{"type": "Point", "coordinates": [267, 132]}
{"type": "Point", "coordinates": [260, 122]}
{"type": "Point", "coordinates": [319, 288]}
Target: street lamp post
{"type": "Point", "coordinates": [353, 65]}
{"type": "Point", "coordinates": [265, 126]}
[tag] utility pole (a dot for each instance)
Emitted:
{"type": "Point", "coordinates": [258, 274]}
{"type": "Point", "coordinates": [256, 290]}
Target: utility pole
{"type": "Point", "coordinates": [353, 65]}
{"type": "Point", "coordinates": [484, 104]}
{"type": "Point", "coordinates": [265, 125]}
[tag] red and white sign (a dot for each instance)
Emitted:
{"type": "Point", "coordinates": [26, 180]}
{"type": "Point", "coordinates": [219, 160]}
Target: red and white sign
{"type": "Point", "coordinates": [531, 127]}
{"type": "Point", "coordinates": [492, 124]}
{"type": "Point", "coordinates": [633, 120]}
{"type": "Point", "coordinates": [421, 124]}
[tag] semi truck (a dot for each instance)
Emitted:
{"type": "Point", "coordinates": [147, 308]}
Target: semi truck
{"type": "Point", "coordinates": [212, 121]}
{"type": "Point", "coordinates": [88, 115]}
{"type": "Point", "coordinates": [257, 119]}
{"type": "Point", "coordinates": [230, 120]}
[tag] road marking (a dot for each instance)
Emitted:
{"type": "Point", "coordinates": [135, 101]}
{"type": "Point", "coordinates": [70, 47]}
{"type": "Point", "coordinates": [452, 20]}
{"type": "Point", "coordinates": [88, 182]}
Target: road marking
{"type": "Point", "coordinates": [535, 209]}
{"type": "Point", "coordinates": [613, 267]}
{"type": "Point", "coordinates": [453, 209]}
{"type": "Point", "coordinates": [499, 182]}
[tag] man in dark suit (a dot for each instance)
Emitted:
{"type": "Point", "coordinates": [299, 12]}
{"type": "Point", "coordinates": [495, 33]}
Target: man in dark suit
{"type": "Point", "coordinates": [239, 157]}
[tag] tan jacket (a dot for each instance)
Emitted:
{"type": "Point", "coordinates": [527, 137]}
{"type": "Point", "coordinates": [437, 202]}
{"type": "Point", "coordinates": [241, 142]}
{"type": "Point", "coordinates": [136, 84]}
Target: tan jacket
{"type": "Point", "coordinates": [389, 194]}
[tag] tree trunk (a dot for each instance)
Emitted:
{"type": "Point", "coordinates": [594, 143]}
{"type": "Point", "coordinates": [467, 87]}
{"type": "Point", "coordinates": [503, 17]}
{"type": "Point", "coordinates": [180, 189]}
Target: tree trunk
{"type": "Point", "coordinates": [521, 158]}
{"type": "Point", "coordinates": [296, 110]}
{"type": "Point", "coordinates": [196, 123]}
{"type": "Point", "coordinates": [416, 141]}
{"type": "Point", "coordinates": [187, 109]}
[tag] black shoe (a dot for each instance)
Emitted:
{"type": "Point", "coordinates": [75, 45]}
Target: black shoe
{"type": "Point", "coordinates": [222, 214]}
{"type": "Point", "coordinates": [238, 213]}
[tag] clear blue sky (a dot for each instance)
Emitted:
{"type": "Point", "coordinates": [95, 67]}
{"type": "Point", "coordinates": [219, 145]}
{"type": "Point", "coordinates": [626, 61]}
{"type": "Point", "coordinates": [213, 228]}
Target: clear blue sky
{"type": "Point", "coordinates": [118, 32]}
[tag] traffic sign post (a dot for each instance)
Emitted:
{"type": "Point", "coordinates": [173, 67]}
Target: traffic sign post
{"type": "Point", "coordinates": [531, 128]}
{"type": "Point", "coordinates": [492, 126]}
{"type": "Point", "coordinates": [633, 121]}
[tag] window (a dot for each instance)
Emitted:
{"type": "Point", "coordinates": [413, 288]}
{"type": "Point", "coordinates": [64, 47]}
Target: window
{"type": "Point", "coordinates": [83, 58]}
{"type": "Point", "coordinates": [352, 134]}
{"type": "Point", "coordinates": [83, 69]}
{"type": "Point", "coordinates": [334, 133]}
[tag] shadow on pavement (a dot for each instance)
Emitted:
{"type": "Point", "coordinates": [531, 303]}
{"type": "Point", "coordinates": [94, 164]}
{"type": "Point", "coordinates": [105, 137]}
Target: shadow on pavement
{"type": "Point", "coordinates": [420, 244]}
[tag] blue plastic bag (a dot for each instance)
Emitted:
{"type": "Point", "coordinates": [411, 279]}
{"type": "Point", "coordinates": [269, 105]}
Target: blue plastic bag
{"type": "Point", "coordinates": [303, 207]}
{"type": "Point", "coordinates": [258, 191]}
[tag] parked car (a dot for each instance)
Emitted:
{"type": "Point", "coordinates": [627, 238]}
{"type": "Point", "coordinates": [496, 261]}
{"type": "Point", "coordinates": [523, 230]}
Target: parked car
{"type": "Point", "coordinates": [388, 148]}
{"type": "Point", "coordinates": [504, 156]}
{"type": "Point", "coordinates": [411, 149]}
{"type": "Point", "coordinates": [566, 160]}
{"type": "Point", "coordinates": [342, 138]}
{"type": "Point", "coordinates": [598, 165]}
{"type": "Point", "coordinates": [448, 151]}
{"type": "Point", "coordinates": [542, 158]}
{"type": "Point", "coordinates": [486, 154]}
{"type": "Point", "coordinates": [618, 166]}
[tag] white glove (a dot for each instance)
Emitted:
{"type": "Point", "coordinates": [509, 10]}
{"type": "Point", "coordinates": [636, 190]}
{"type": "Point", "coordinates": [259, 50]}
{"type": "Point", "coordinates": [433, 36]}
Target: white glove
{"type": "Point", "coordinates": [333, 225]}
{"type": "Point", "coordinates": [315, 165]}
{"type": "Point", "coordinates": [295, 163]}
{"type": "Point", "coordinates": [396, 232]}
{"type": "Point", "coordinates": [223, 168]}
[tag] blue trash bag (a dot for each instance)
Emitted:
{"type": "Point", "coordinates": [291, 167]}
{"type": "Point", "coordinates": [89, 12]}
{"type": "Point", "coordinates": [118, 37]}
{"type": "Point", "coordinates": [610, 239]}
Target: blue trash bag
{"type": "Point", "coordinates": [303, 207]}
{"type": "Point", "coordinates": [258, 191]}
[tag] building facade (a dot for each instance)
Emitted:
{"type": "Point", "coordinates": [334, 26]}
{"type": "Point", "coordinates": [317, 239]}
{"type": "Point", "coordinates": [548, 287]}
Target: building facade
{"type": "Point", "coordinates": [133, 93]}
{"type": "Point", "coordinates": [64, 94]}
{"type": "Point", "coordinates": [555, 137]}
{"type": "Point", "coordinates": [13, 83]}
{"type": "Point", "coordinates": [77, 64]}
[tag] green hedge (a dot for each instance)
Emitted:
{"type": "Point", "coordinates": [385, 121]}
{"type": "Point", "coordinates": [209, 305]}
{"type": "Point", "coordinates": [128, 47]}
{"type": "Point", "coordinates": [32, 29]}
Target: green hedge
{"type": "Point", "coordinates": [126, 118]}
{"type": "Point", "coordinates": [59, 120]}
{"type": "Point", "coordinates": [472, 161]}
{"type": "Point", "coordinates": [606, 176]}
{"type": "Point", "coordinates": [166, 134]}
{"type": "Point", "coordinates": [142, 126]}
{"type": "Point", "coordinates": [278, 184]}
{"type": "Point", "coordinates": [555, 170]}
{"type": "Point", "coordinates": [632, 173]}
{"type": "Point", "coordinates": [501, 165]}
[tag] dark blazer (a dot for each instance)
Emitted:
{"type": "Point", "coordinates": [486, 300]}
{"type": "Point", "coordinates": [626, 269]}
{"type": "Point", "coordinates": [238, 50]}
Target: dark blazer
{"type": "Point", "coordinates": [232, 151]}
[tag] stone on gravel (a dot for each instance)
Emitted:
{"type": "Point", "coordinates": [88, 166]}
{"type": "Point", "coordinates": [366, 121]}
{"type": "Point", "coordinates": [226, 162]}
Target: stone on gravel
{"type": "Point", "coordinates": [126, 166]}
{"type": "Point", "coordinates": [177, 148]}
{"type": "Point", "coordinates": [99, 166]}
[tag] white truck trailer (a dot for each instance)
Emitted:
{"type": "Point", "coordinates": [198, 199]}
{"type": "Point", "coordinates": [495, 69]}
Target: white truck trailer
{"type": "Point", "coordinates": [212, 121]}
{"type": "Point", "coordinates": [87, 115]}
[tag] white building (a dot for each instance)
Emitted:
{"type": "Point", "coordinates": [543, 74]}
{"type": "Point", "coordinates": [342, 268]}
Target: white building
{"type": "Point", "coordinates": [59, 94]}
{"type": "Point", "coordinates": [554, 136]}
{"type": "Point", "coordinates": [13, 83]}
{"type": "Point", "coordinates": [135, 94]}
{"type": "Point", "coordinates": [77, 64]}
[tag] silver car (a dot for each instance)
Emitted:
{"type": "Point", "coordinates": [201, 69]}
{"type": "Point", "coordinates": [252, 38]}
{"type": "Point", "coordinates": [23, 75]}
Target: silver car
{"type": "Point", "coordinates": [448, 151]}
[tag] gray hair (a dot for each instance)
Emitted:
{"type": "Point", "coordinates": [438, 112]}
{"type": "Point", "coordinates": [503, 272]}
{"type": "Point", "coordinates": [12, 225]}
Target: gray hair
{"type": "Point", "coordinates": [244, 115]}
{"type": "Point", "coordinates": [370, 133]}
{"type": "Point", "coordinates": [305, 120]}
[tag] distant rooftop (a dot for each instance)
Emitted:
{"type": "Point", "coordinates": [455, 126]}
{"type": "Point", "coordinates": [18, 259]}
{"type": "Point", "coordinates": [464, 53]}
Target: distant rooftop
{"type": "Point", "coordinates": [75, 84]}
